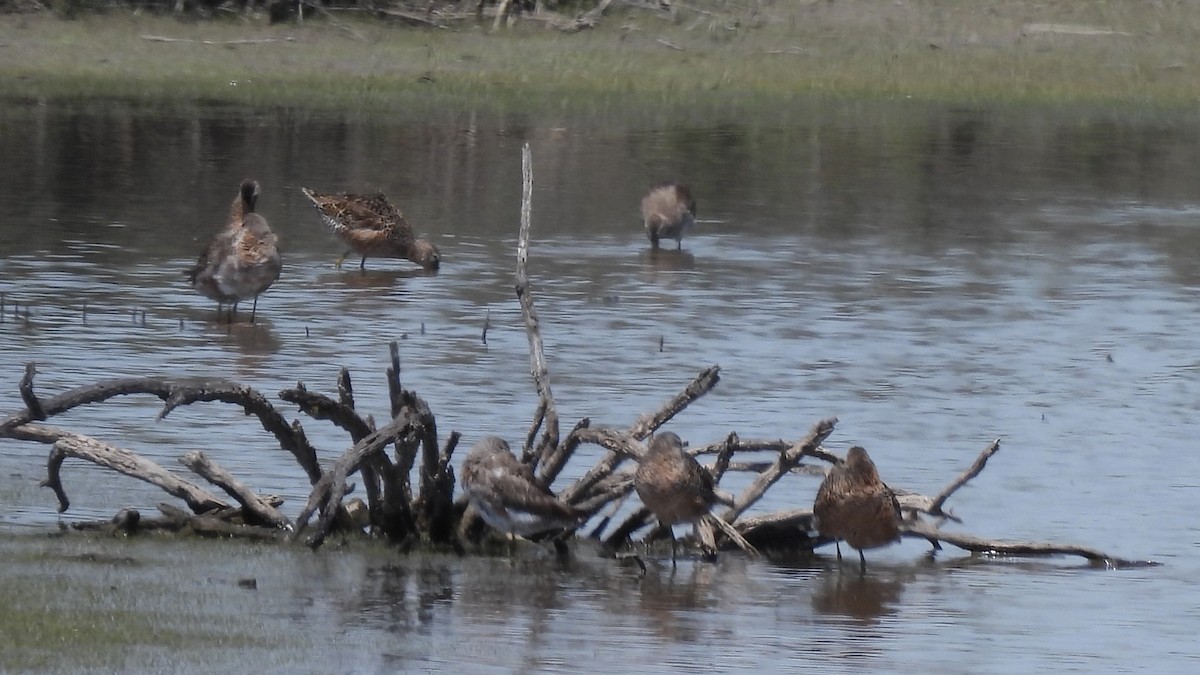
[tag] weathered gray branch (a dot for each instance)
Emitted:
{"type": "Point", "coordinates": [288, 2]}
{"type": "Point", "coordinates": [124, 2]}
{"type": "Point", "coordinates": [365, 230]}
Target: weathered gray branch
{"type": "Point", "coordinates": [321, 407]}
{"type": "Point", "coordinates": [125, 462]}
{"type": "Point", "coordinates": [32, 405]}
{"type": "Point", "coordinates": [327, 494]}
{"type": "Point", "coordinates": [643, 427]}
{"type": "Point", "coordinates": [538, 367]}
{"type": "Point", "coordinates": [177, 392]}
{"type": "Point", "coordinates": [212, 526]}
{"type": "Point", "coordinates": [1017, 548]}
{"type": "Point", "coordinates": [788, 459]}
{"type": "Point", "coordinates": [256, 510]}
{"type": "Point", "coordinates": [940, 500]}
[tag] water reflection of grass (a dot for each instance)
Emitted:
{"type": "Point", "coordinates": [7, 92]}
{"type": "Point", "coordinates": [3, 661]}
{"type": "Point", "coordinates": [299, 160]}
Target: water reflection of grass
{"type": "Point", "coordinates": [932, 50]}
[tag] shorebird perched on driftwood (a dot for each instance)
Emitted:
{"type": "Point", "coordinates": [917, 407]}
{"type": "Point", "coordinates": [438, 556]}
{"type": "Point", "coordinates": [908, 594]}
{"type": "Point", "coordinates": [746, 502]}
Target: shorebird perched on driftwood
{"type": "Point", "coordinates": [676, 489]}
{"type": "Point", "coordinates": [668, 210]}
{"type": "Point", "coordinates": [372, 225]}
{"type": "Point", "coordinates": [855, 505]}
{"type": "Point", "coordinates": [242, 260]}
{"type": "Point", "coordinates": [508, 497]}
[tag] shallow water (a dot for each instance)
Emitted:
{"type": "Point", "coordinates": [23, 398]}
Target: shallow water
{"type": "Point", "coordinates": [934, 278]}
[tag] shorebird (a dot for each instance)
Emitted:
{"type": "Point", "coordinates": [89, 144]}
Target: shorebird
{"type": "Point", "coordinates": [668, 210]}
{"type": "Point", "coordinates": [855, 505]}
{"type": "Point", "coordinates": [371, 225]}
{"type": "Point", "coordinates": [508, 497]}
{"type": "Point", "coordinates": [242, 260]}
{"type": "Point", "coordinates": [674, 486]}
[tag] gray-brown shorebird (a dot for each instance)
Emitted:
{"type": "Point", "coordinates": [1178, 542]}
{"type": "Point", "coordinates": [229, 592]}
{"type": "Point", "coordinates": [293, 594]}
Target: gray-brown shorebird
{"type": "Point", "coordinates": [372, 225]}
{"type": "Point", "coordinates": [673, 485]}
{"type": "Point", "coordinates": [854, 505]}
{"type": "Point", "coordinates": [242, 260]}
{"type": "Point", "coordinates": [508, 497]}
{"type": "Point", "coordinates": [668, 210]}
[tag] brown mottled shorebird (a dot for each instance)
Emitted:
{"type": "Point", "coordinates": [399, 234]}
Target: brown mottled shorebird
{"type": "Point", "coordinates": [242, 260]}
{"type": "Point", "coordinates": [371, 225]}
{"type": "Point", "coordinates": [673, 485]}
{"type": "Point", "coordinates": [508, 497]}
{"type": "Point", "coordinates": [855, 505]}
{"type": "Point", "coordinates": [668, 210]}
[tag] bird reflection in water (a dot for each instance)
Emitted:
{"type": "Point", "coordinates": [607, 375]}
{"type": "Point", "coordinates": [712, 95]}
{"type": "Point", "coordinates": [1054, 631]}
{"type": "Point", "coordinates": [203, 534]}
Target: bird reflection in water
{"type": "Point", "coordinates": [865, 598]}
{"type": "Point", "coordinates": [667, 260]}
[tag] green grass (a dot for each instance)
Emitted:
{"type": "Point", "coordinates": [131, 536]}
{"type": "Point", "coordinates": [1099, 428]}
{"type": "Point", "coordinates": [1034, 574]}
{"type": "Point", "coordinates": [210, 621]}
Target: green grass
{"type": "Point", "coordinates": [766, 57]}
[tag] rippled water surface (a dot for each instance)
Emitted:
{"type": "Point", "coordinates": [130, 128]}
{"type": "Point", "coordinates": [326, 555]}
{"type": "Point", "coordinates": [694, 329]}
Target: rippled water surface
{"type": "Point", "coordinates": [933, 278]}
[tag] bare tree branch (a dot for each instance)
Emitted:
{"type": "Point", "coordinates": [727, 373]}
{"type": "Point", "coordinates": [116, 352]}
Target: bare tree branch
{"type": "Point", "coordinates": [538, 367]}
{"type": "Point", "coordinates": [125, 462]}
{"type": "Point", "coordinates": [258, 510]}
{"type": "Point", "coordinates": [1017, 548]}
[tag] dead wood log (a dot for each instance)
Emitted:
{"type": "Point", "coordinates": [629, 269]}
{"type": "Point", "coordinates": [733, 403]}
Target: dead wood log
{"type": "Point", "coordinates": [788, 459]}
{"type": "Point", "coordinates": [553, 465]}
{"type": "Point", "coordinates": [125, 462]}
{"type": "Point", "coordinates": [435, 508]}
{"type": "Point", "coordinates": [210, 526]}
{"type": "Point", "coordinates": [643, 427]}
{"type": "Point", "coordinates": [327, 494]}
{"type": "Point", "coordinates": [1016, 548]}
{"type": "Point", "coordinates": [177, 392]}
{"type": "Point", "coordinates": [321, 407]}
{"type": "Point", "coordinates": [258, 511]}
{"type": "Point", "coordinates": [344, 416]}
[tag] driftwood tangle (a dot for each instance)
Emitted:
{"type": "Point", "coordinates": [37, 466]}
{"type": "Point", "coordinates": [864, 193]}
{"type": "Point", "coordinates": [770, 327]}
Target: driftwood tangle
{"type": "Point", "coordinates": [384, 458]}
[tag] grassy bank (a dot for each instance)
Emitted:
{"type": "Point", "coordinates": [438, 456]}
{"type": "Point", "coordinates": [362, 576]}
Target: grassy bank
{"type": "Point", "coordinates": [951, 51]}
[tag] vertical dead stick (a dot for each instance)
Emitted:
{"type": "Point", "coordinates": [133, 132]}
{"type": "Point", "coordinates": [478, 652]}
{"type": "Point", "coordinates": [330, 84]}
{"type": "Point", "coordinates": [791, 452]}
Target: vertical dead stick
{"type": "Point", "coordinates": [36, 412]}
{"type": "Point", "coordinates": [404, 458]}
{"type": "Point", "coordinates": [788, 459]}
{"type": "Point", "coordinates": [976, 468]}
{"type": "Point", "coordinates": [393, 378]}
{"type": "Point", "coordinates": [537, 357]}
{"type": "Point", "coordinates": [437, 508]}
{"type": "Point", "coordinates": [345, 389]}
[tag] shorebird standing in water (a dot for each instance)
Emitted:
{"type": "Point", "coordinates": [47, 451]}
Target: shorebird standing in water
{"type": "Point", "coordinates": [371, 225]}
{"type": "Point", "coordinates": [242, 260]}
{"type": "Point", "coordinates": [855, 505]}
{"type": "Point", "coordinates": [508, 497]}
{"type": "Point", "coordinates": [676, 489]}
{"type": "Point", "coordinates": [668, 210]}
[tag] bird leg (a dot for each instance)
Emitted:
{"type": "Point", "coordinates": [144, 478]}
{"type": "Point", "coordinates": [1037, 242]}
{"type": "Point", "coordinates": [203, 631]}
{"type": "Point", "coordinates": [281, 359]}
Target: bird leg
{"type": "Point", "coordinates": [362, 266]}
{"type": "Point", "coordinates": [337, 264]}
{"type": "Point", "coordinates": [254, 309]}
{"type": "Point", "coordinates": [862, 563]}
{"type": "Point", "coordinates": [838, 546]}
{"type": "Point", "coordinates": [671, 532]}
